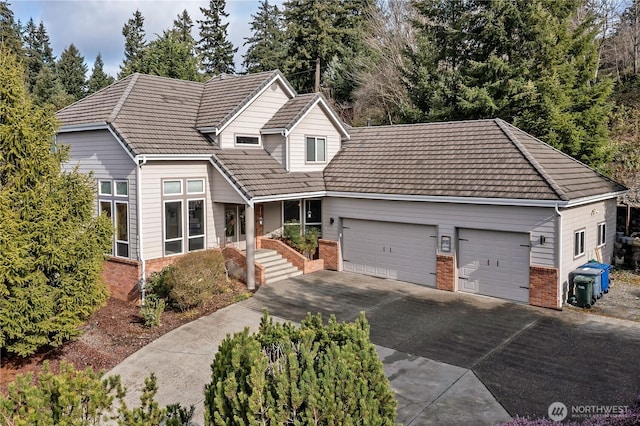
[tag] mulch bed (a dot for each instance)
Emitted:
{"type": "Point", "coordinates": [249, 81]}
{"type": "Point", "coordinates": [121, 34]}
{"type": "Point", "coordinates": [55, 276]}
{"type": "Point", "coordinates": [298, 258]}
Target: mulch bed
{"type": "Point", "coordinates": [111, 335]}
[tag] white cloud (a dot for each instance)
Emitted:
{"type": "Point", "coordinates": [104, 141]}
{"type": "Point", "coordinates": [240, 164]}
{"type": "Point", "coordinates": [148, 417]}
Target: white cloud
{"type": "Point", "coordinates": [96, 25]}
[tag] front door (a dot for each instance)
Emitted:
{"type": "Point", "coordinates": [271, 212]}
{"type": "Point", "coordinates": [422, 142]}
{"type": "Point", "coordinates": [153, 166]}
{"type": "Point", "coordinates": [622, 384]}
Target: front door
{"type": "Point", "coordinates": [234, 224]}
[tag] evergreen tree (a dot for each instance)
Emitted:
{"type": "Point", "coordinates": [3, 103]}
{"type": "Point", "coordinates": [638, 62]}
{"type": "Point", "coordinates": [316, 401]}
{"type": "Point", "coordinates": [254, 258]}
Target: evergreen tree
{"type": "Point", "coordinates": [38, 51]}
{"type": "Point", "coordinates": [330, 31]}
{"type": "Point", "coordinates": [532, 63]}
{"type": "Point", "coordinates": [71, 72]}
{"type": "Point", "coordinates": [98, 79]}
{"type": "Point", "coordinates": [182, 27]}
{"type": "Point", "coordinates": [134, 46]}
{"type": "Point", "coordinates": [48, 91]}
{"type": "Point", "coordinates": [51, 245]}
{"type": "Point", "coordinates": [266, 49]}
{"type": "Point", "coordinates": [167, 56]}
{"type": "Point", "coordinates": [10, 30]}
{"type": "Point", "coordinates": [216, 51]}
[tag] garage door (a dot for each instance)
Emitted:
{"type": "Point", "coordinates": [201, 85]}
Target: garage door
{"type": "Point", "coordinates": [400, 251]}
{"type": "Point", "coordinates": [494, 263]}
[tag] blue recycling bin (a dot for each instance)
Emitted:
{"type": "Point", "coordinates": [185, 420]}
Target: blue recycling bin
{"type": "Point", "coordinates": [605, 273]}
{"type": "Point", "coordinates": [597, 276]}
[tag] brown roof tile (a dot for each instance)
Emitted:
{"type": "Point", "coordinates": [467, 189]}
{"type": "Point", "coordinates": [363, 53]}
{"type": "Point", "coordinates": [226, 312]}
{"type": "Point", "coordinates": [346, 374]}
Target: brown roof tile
{"type": "Point", "coordinates": [292, 111]}
{"type": "Point", "coordinates": [480, 159]}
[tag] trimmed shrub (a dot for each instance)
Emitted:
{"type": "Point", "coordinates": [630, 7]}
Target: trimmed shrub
{"type": "Point", "coordinates": [314, 374]}
{"type": "Point", "coordinates": [195, 278]}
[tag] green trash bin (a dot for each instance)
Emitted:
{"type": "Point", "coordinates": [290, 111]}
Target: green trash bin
{"type": "Point", "coordinates": [583, 287]}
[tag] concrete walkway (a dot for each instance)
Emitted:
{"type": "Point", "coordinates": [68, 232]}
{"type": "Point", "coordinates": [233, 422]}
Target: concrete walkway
{"type": "Point", "coordinates": [428, 392]}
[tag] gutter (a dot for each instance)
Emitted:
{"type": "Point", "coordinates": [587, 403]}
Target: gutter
{"type": "Point", "coordinates": [143, 278]}
{"type": "Point", "coordinates": [559, 249]}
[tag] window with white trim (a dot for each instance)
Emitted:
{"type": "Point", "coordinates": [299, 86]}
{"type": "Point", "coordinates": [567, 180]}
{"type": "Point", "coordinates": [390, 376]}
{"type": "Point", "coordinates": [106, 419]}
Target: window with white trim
{"type": "Point", "coordinates": [316, 149]}
{"type": "Point", "coordinates": [113, 203]}
{"type": "Point", "coordinates": [184, 215]}
{"type": "Point", "coordinates": [578, 243]}
{"type": "Point", "coordinates": [602, 234]}
{"type": "Point", "coordinates": [247, 140]}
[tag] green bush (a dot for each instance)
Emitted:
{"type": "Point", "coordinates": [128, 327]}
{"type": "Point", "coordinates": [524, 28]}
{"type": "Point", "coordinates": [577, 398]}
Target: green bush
{"type": "Point", "coordinates": [314, 374]}
{"type": "Point", "coordinates": [306, 243]}
{"type": "Point", "coordinates": [152, 310]}
{"type": "Point", "coordinates": [195, 278]}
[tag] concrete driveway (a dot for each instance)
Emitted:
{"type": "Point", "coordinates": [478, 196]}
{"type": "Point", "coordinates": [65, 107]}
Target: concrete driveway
{"type": "Point", "coordinates": [451, 358]}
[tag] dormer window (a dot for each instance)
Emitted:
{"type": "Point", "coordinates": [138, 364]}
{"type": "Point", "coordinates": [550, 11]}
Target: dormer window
{"type": "Point", "coordinates": [316, 150]}
{"type": "Point", "coordinates": [245, 140]}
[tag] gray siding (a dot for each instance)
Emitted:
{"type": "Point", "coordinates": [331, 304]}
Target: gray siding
{"type": "Point", "coordinates": [587, 217]}
{"type": "Point", "coordinates": [275, 145]}
{"type": "Point", "coordinates": [315, 123]}
{"type": "Point", "coordinates": [98, 152]}
{"type": "Point", "coordinates": [272, 218]}
{"type": "Point", "coordinates": [223, 192]}
{"type": "Point", "coordinates": [448, 217]}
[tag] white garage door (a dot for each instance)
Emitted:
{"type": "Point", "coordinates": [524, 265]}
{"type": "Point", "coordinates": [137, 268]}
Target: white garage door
{"type": "Point", "coordinates": [494, 263]}
{"type": "Point", "coordinates": [400, 251]}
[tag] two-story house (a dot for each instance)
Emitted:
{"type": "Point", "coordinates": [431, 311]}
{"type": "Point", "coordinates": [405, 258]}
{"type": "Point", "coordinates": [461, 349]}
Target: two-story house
{"type": "Point", "coordinates": [474, 206]}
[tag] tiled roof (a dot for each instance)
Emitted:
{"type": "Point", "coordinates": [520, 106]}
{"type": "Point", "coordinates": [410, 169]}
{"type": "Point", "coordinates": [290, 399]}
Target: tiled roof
{"type": "Point", "coordinates": [480, 159]}
{"type": "Point", "coordinates": [226, 94]}
{"type": "Point", "coordinates": [292, 111]}
{"type": "Point", "coordinates": [258, 174]}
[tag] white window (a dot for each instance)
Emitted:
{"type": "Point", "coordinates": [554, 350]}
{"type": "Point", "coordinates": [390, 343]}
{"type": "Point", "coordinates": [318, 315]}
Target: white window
{"type": "Point", "coordinates": [196, 225]}
{"type": "Point", "coordinates": [122, 188]}
{"type": "Point", "coordinates": [195, 186]}
{"type": "Point", "coordinates": [172, 187]}
{"type": "Point", "coordinates": [247, 140]}
{"type": "Point", "coordinates": [173, 227]}
{"type": "Point", "coordinates": [107, 210]}
{"type": "Point", "coordinates": [578, 243]}
{"type": "Point", "coordinates": [104, 187]}
{"type": "Point", "coordinates": [122, 228]}
{"type": "Point", "coordinates": [602, 234]}
{"type": "Point", "coordinates": [316, 150]}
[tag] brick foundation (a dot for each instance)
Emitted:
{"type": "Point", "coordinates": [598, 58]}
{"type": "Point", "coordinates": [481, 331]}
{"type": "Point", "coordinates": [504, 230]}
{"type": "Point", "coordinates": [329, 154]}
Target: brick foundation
{"type": "Point", "coordinates": [329, 251]}
{"type": "Point", "coordinates": [543, 287]}
{"type": "Point", "coordinates": [240, 259]}
{"type": "Point", "coordinates": [156, 265]}
{"type": "Point", "coordinates": [122, 275]}
{"type": "Point", "coordinates": [445, 273]}
{"type": "Point", "coordinates": [296, 259]}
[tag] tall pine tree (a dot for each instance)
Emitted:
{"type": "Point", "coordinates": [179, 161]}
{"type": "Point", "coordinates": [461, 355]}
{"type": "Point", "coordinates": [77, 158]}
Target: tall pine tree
{"type": "Point", "coordinates": [266, 47]}
{"type": "Point", "coordinates": [216, 51]}
{"type": "Point", "coordinates": [71, 72]}
{"type": "Point", "coordinates": [134, 46]}
{"type": "Point", "coordinates": [10, 30]}
{"type": "Point", "coordinates": [182, 26]}
{"type": "Point", "coordinates": [98, 79]}
{"type": "Point", "coordinates": [51, 245]}
{"type": "Point", "coordinates": [168, 56]}
{"type": "Point", "coordinates": [532, 63]}
{"type": "Point", "coordinates": [38, 51]}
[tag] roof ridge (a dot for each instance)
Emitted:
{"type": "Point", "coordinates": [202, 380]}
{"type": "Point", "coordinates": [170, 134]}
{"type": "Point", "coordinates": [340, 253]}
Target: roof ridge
{"type": "Point", "coordinates": [312, 101]}
{"type": "Point", "coordinates": [250, 96]}
{"type": "Point", "coordinates": [430, 123]}
{"type": "Point", "coordinates": [116, 109]}
{"type": "Point", "coordinates": [536, 165]}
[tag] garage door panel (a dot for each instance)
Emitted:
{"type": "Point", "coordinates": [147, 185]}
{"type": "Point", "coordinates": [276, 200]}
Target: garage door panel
{"type": "Point", "coordinates": [391, 250]}
{"type": "Point", "coordinates": [494, 263]}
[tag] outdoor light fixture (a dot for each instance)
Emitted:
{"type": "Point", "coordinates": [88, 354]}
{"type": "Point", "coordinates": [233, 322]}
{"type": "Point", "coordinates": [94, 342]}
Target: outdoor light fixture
{"type": "Point", "coordinates": [331, 220]}
{"type": "Point", "coordinates": [542, 239]}
{"type": "Point", "coordinates": [260, 220]}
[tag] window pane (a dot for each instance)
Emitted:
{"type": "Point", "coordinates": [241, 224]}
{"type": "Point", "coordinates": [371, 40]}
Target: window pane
{"type": "Point", "coordinates": [320, 142]}
{"type": "Point", "coordinates": [105, 187]}
{"type": "Point", "coordinates": [242, 222]}
{"type": "Point", "coordinates": [195, 186]}
{"type": "Point", "coordinates": [122, 249]}
{"type": "Point", "coordinates": [311, 149]}
{"type": "Point", "coordinates": [173, 247]}
{"type": "Point", "coordinates": [291, 211]}
{"type": "Point", "coordinates": [196, 243]}
{"type": "Point", "coordinates": [105, 208]}
{"type": "Point", "coordinates": [247, 140]}
{"type": "Point", "coordinates": [313, 212]}
{"type": "Point", "coordinates": [173, 220]}
{"type": "Point", "coordinates": [122, 222]}
{"type": "Point", "coordinates": [196, 217]}
{"type": "Point", "coordinates": [122, 188]}
{"type": "Point", "coordinates": [171, 187]}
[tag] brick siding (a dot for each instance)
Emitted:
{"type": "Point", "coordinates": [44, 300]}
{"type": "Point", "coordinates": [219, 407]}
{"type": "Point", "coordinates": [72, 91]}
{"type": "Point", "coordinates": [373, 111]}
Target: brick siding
{"type": "Point", "coordinates": [121, 276]}
{"type": "Point", "coordinates": [445, 273]}
{"type": "Point", "coordinates": [296, 259]}
{"type": "Point", "coordinates": [328, 250]}
{"type": "Point", "coordinates": [543, 287]}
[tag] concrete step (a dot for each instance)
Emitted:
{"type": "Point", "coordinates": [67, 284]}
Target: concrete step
{"type": "Point", "coordinates": [282, 276]}
{"type": "Point", "coordinates": [265, 254]}
{"type": "Point", "coordinates": [277, 265]}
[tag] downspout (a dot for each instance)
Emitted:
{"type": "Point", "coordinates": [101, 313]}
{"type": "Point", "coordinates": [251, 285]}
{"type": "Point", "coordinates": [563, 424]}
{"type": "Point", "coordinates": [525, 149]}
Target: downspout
{"type": "Point", "coordinates": [559, 248]}
{"type": "Point", "coordinates": [143, 264]}
{"type": "Point", "coordinates": [286, 149]}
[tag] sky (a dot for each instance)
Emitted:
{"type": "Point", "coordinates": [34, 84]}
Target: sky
{"type": "Point", "coordinates": [95, 26]}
